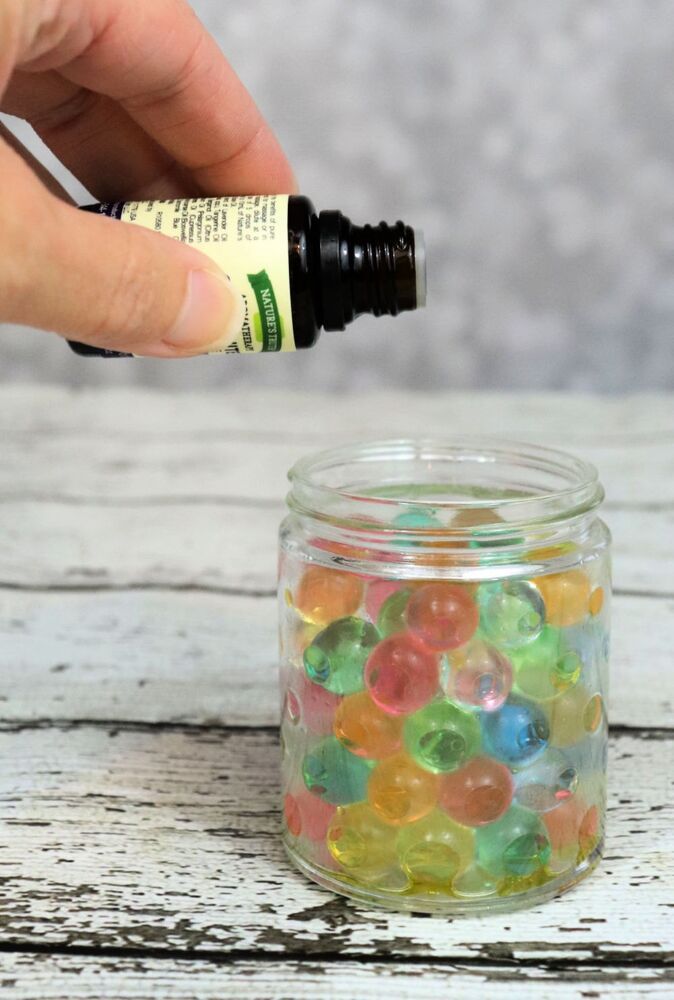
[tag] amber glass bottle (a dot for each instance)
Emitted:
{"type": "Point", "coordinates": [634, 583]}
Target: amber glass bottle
{"type": "Point", "coordinates": [298, 271]}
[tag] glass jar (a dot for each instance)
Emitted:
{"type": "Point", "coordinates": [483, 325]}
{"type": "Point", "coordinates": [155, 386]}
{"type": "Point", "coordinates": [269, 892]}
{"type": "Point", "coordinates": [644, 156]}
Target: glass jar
{"type": "Point", "coordinates": [444, 641]}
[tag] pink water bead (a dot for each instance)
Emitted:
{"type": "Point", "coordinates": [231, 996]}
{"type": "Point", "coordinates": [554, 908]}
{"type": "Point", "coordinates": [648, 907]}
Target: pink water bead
{"type": "Point", "coordinates": [478, 793]}
{"type": "Point", "coordinates": [402, 674]}
{"type": "Point", "coordinates": [310, 705]}
{"type": "Point", "coordinates": [307, 815]}
{"type": "Point", "coordinates": [443, 615]}
{"type": "Point", "coordinates": [481, 676]}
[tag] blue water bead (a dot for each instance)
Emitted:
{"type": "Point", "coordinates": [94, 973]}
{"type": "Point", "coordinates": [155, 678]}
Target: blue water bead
{"type": "Point", "coordinates": [512, 613]}
{"type": "Point", "coordinates": [516, 733]}
{"type": "Point", "coordinates": [334, 774]}
{"type": "Point", "coordinates": [546, 782]}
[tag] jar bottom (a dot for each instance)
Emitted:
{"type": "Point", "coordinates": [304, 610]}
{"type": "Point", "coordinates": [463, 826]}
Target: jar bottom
{"type": "Point", "coordinates": [445, 904]}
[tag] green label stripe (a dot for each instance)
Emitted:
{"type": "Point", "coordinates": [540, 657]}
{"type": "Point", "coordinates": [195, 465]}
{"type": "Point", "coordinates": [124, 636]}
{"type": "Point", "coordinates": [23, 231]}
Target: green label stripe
{"type": "Point", "coordinates": [270, 321]}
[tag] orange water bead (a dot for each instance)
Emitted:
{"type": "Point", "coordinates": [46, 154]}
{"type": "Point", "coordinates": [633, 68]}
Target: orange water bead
{"type": "Point", "coordinates": [566, 596]}
{"type": "Point", "coordinates": [365, 729]}
{"type": "Point", "coordinates": [563, 823]}
{"type": "Point", "coordinates": [400, 792]}
{"type": "Point", "coordinates": [596, 601]}
{"type": "Point", "coordinates": [325, 594]}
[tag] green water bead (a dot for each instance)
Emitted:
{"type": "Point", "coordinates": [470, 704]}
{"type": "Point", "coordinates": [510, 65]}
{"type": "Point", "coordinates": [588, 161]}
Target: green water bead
{"type": "Point", "coordinates": [547, 667]}
{"type": "Point", "coordinates": [516, 844]}
{"type": "Point", "coordinates": [512, 614]}
{"type": "Point", "coordinates": [391, 618]}
{"type": "Point", "coordinates": [336, 657]}
{"type": "Point", "coordinates": [440, 736]}
{"type": "Point", "coordinates": [334, 774]}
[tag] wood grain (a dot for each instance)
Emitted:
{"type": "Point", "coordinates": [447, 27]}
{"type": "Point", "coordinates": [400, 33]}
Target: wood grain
{"type": "Point", "coordinates": [169, 839]}
{"type": "Point", "coordinates": [134, 977]}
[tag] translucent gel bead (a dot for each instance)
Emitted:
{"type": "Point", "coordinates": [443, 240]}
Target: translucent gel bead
{"type": "Point", "coordinates": [570, 715]}
{"type": "Point", "coordinates": [443, 615]}
{"type": "Point", "coordinates": [516, 733]}
{"type": "Point", "coordinates": [479, 792]}
{"type": "Point", "coordinates": [562, 825]}
{"type": "Point", "coordinates": [474, 883]}
{"type": "Point", "coordinates": [365, 729]}
{"type": "Point", "coordinates": [401, 674]}
{"type": "Point", "coordinates": [307, 816]}
{"type": "Point", "coordinates": [434, 849]}
{"type": "Point", "coordinates": [376, 593]}
{"type": "Point", "coordinates": [326, 594]}
{"type": "Point", "coordinates": [400, 792]}
{"type": "Point", "coordinates": [546, 667]}
{"type": "Point", "coordinates": [310, 705]}
{"type": "Point", "coordinates": [419, 517]}
{"type": "Point", "coordinates": [566, 596]}
{"type": "Point", "coordinates": [337, 655]}
{"type": "Point", "coordinates": [590, 641]}
{"type": "Point", "coordinates": [512, 614]}
{"type": "Point", "coordinates": [391, 618]}
{"type": "Point", "coordinates": [546, 783]}
{"type": "Point", "coordinates": [441, 736]}
{"type": "Point", "coordinates": [481, 676]}
{"type": "Point", "coordinates": [361, 842]}
{"type": "Point", "coordinates": [334, 774]}
{"type": "Point", "coordinates": [516, 844]}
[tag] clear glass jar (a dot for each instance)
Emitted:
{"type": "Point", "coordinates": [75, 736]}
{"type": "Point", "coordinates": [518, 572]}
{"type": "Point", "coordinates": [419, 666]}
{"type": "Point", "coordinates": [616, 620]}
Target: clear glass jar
{"type": "Point", "coordinates": [444, 642]}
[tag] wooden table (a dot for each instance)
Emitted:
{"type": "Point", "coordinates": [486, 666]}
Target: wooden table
{"type": "Point", "coordinates": [139, 826]}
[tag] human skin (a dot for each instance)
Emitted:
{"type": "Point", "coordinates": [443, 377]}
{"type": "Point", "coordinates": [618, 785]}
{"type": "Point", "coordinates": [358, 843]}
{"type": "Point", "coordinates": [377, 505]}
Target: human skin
{"type": "Point", "coordinates": [137, 101]}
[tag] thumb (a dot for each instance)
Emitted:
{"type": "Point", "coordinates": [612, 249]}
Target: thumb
{"type": "Point", "coordinates": [109, 284]}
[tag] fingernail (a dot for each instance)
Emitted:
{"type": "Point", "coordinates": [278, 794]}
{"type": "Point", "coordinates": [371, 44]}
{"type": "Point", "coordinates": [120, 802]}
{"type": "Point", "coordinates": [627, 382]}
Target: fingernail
{"type": "Point", "coordinates": [211, 316]}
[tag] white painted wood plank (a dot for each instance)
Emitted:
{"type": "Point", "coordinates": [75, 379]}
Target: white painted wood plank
{"type": "Point", "coordinates": [270, 414]}
{"type": "Point", "coordinates": [135, 465]}
{"type": "Point", "coordinates": [200, 658]}
{"type": "Point", "coordinates": [63, 977]}
{"type": "Point", "coordinates": [169, 839]}
{"type": "Point", "coordinates": [230, 547]}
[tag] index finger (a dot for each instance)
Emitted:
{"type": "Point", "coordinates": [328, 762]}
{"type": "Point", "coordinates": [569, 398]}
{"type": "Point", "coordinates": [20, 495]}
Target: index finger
{"type": "Point", "coordinates": [160, 63]}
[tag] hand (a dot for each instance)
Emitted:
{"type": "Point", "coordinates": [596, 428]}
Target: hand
{"type": "Point", "coordinates": [135, 98]}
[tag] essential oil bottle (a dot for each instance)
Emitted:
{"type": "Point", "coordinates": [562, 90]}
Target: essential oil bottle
{"type": "Point", "coordinates": [298, 271]}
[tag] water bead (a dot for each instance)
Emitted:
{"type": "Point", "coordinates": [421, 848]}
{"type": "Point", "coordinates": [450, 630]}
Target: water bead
{"type": "Point", "coordinates": [336, 657]}
{"type": "Point", "coordinates": [401, 674]}
{"type": "Point", "coordinates": [360, 841]}
{"type": "Point", "coordinates": [443, 615]}
{"type": "Point", "coordinates": [566, 596]}
{"type": "Point", "coordinates": [434, 849]}
{"type": "Point", "coordinates": [516, 733]}
{"type": "Point", "coordinates": [566, 716]}
{"type": "Point", "coordinates": [310, 705]}
{"type": "Point", "coordinates": [562, 825]}
{"type": "Point", "coordinates": [588, 832]}
{"type": "Point", "coordinates": [478, 793]}
{"type": "Point", "coordinates": [474, 883]}
{"type": "Point", "coordinates": [326, 594]}
{"type": "Point", "coordinates": [376, 593]}
{"type": "Point", "coordinates": [546, 667]}
{"type": "Point", "coordinates": [414, 519]}
{"type": "Point", "coordinates": [596, 602]}
{"type": "Point", "coordinates": [517, 844]}
{"type": "Point", "coordinates": [400, 792]}
{"type": "Point", "coordinates": [334, 774]}
{"type": "Point", "coordinates": [365, 729]}
{"type": "Point", "coordinates": [441, 736]}
{"type": "Point", "coordinates": [306, 815]}
{"type": "Point", "coordinates": [512, 613]}
{"type": "Point", "coordinates": [547, 782]}
{"type": "Point", "coordinates": [481, 676]}
{"type": "Point", "coordinates": [391, 618]}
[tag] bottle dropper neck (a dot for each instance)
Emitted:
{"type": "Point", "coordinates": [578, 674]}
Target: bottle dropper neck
{"type": "Point", "coordinates": [367, 269]}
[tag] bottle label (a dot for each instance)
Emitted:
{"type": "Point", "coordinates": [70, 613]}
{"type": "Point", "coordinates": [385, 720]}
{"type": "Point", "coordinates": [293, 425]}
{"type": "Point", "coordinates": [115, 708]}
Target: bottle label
{"type": "Point", "coordinates": [247, 237]}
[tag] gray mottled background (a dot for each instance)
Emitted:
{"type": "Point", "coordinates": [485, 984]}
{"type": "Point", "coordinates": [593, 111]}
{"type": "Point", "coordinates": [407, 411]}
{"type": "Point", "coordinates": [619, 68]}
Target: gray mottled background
{"type": "Point", "coordinates": [532, 140]}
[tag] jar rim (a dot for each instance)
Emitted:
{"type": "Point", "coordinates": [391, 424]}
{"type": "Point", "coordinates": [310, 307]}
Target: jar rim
{"type": "Point", "coordinates": [569, 486]}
